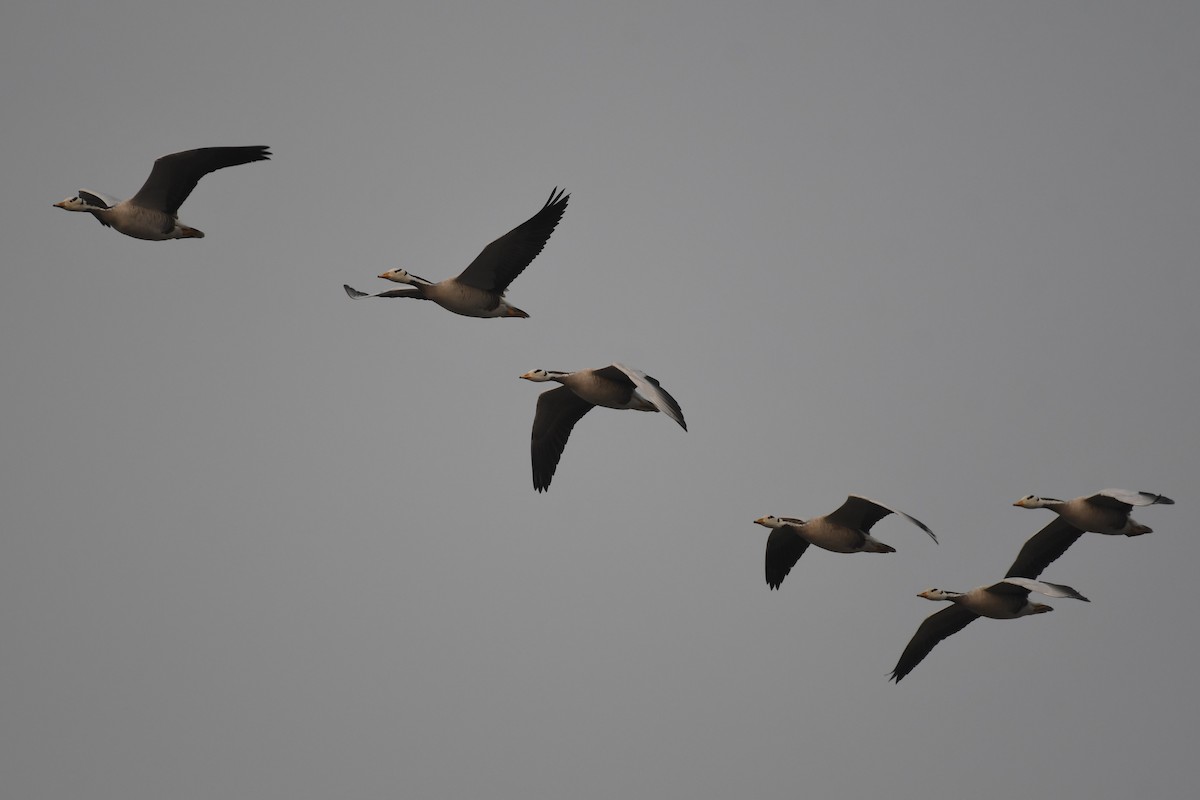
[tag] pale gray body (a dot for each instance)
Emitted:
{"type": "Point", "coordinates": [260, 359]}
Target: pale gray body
{"type": "Point", "coordinates": [1106, 512]}
{"type": "Point", "coordinates": [478, 291]}
{"type": "Point", "coordinates": [153, 213]}
{"type": "Point", "coordinates": [846, 530]}
{"type": "Point", "coordinates": [451, 294]}
{"type": "Point", "coordinates": [144, 223]}
{"type": "Point", "coordinates": [1006, 599]}
{"type": "Point", "coordinates": [615, 386]}
{"type": "Point", "coordinates": [598, 387]}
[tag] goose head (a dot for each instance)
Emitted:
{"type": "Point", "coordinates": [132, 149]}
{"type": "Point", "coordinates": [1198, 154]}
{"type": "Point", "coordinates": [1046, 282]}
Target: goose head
{"type": "Point", "coordinates": [770, 521]}
{"type": "Point", "coordinates": [77, 204]}
{"type": "Point", "coordinates": [935, 594]}
{"type": "Point", "coordinates": [538, 375]}
{"type": "Point", "coordinates": [397, 275]}
{"type": "Point", "coordinates": [1033, 501]}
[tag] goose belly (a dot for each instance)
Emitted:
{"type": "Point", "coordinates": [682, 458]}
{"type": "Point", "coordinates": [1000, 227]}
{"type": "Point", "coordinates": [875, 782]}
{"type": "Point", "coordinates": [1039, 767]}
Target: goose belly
{"type": "Point", "coordinates": [995, 606]}
{"type": "Point", "coordinates": [1088, 517]}
{"type": "Point", "coordinates": [143, 223]}
{"type": "Point", "coordinates": [465, 300]}
{"type": "Point", "coordinates": [835, 538]}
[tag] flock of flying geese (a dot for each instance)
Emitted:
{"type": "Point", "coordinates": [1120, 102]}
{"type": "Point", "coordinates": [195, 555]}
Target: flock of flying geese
{"type": "Point", "coordinates": [478, 291]}
{"type": "Point", "coordinates": [847, 530]}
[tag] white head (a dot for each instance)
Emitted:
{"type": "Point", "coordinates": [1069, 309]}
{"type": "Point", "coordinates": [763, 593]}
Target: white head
{"type": "Point", "coordinates": [935, 594]}
{"type": "Point", "coordinates": [87, 200]}
{"type": "Point", "coordinates": [770, 521]}
{"type": "Point", "coordinates": [539, 375]}
{"type": "Point", "coordinates": [397, 275]}
{"type": "Point", "coordinates": [1033, 501]}
{"type": "Point", "coordinates": [75, 204]}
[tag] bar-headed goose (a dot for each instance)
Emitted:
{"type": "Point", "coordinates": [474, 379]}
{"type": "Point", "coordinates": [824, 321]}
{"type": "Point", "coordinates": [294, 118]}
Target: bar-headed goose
{"type": "Point", "coordinates": [479, 289]}
{"type": "Point", "coordinates": [153, 213]}
{"type": "Point", "coordinates": [1105, 512]}
{"type": "Point", "coordinates": [1007, 599]}
{"type": "Point", "coordinates": [844, 531]}
{"type": "Point", "coordinates": [615, 386]}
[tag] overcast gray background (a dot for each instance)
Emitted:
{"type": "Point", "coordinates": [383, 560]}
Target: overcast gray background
{"type": "Point", "coordinates": [260, 541]}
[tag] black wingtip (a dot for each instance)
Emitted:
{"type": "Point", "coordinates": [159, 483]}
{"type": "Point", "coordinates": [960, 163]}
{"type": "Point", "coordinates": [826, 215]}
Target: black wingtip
{"type": "Point", "coordinates": [255, 152]}
{"type": "Point", "coordinates": [353, 293]}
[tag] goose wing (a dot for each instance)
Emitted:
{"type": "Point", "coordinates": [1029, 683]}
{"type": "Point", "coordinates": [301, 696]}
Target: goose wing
{"type": "Point", "coordinates": [1121, 499]}
{"type": "Point", "coordinates": [652, 390]}
{"type": "Point", "coordinates": [503, 260]}
{"type": "Point", "coordinates": [1043, 548]}
{"type": "Point", "coordinates": [860, 514]}
{"type": "Point", "coordinates": [175, 176]}
{"type": "Point", "coordinates": [936, 627]}
{"type": "Point", "coordinates": [98, 199]}
{"type": "Point", "coordinates": [1016, 585]}
{"type": "Point", "coordinates": [784, 548]}
{"type": "Point", "coordinates": [355, 293]}
{"type": "Point", "coordinates": [557, 412]}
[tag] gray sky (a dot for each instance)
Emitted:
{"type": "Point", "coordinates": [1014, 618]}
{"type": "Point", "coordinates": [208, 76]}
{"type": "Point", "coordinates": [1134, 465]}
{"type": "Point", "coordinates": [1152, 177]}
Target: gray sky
{"type": "Point", "coordinates": [261, 541]}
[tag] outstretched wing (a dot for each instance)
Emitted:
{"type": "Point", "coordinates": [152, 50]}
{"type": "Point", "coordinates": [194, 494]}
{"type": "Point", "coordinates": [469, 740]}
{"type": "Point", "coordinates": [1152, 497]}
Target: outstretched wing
{"type": "Point", "coordinates": [557, 412]}
{"type": "Point", "coordinates": [860, 513]}
{"type": "Point", "coordinates": [936, 627]}
{"type": "Point", "coordinates": [175, 176]}
{"type": "Point", "coordinates": [1123, 500]}
{"type": "Point", "coordinates": [355, 293]}
{"type": "Point", "coordinates": [652, 390]}
{"type": "Point", "coordinates": [503, 260]}
{"type": "Point", "coordinates": [97, 199]}
{"type": "Point", "coordinates": [1042, 548]}
{"type": "Point", "coordinates": [1041, 587]}
{"type": "Point", "coordinates": [784, 548]}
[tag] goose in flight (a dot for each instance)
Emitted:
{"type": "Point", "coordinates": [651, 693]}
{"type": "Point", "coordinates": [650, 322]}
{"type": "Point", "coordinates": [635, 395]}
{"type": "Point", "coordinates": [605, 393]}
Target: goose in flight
{"type": "Point", "coordinates": [1007, 599]}
{"type": "Point", "coordinates": [479, 289]}
{"type": "Point", "coordinates": [846, 530]}
{"type": "Point", "coordinates": [1105, 512]}
{"type": "Point", "coordinates": [615, 386]}
{"type": "Point", "coordinates": [153, 213]}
